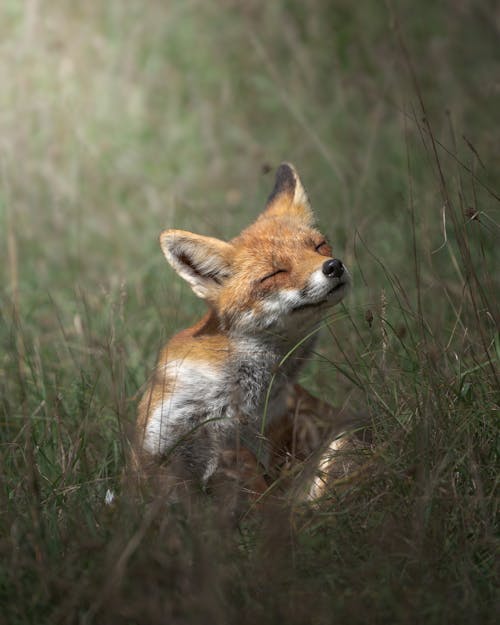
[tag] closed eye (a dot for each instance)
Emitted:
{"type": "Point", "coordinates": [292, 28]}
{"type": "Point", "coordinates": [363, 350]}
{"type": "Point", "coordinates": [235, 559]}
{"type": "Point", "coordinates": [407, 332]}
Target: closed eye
{"type": "Point", "coordinates": [271, 275]}
{"type": "Point", "coordinates": [324, 248]}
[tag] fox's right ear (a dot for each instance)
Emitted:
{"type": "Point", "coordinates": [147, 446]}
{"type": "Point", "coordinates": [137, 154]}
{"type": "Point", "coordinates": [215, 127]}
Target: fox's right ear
{"type": "Point", "coordinates": [204, 262]}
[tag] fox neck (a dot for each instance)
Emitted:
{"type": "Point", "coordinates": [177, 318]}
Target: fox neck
{"type": "Point", "coordinates": [277, 354]}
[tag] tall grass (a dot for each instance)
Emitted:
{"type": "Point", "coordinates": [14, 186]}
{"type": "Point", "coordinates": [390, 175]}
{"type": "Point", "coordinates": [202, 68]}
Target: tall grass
{"type": "Point", "coordinates": [118, 119]}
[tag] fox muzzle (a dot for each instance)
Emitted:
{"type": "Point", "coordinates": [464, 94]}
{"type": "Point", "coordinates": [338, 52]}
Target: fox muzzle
{"type": "Point", "coordinates": [333, 268]}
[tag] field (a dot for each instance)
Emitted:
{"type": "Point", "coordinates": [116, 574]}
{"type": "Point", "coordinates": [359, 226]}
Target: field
{"type": "Point", "coordinates": [121, 118]}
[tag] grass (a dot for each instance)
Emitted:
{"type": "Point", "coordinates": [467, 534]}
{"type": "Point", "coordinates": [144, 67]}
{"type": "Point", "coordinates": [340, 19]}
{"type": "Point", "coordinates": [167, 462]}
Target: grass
{"type": "Point", "coordinates": [118, 119]}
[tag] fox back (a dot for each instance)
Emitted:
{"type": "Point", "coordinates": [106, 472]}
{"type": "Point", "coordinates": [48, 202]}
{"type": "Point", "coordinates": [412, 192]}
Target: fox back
{"type": "Point", "coordinates": [223, 382]}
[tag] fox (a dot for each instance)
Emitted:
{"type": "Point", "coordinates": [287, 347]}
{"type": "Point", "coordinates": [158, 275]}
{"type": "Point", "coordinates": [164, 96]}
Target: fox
{"type": "Point", "coordinates": [224, 396]}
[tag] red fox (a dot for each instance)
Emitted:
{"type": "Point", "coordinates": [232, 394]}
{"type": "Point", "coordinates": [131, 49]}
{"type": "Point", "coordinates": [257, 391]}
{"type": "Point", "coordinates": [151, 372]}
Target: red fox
{"type": "Point", "coordinates": [223, 395]}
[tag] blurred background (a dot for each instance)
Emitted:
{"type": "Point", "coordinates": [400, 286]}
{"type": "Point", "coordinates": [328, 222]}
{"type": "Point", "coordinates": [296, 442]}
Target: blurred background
{"type": "Point", "coordinates": [119, 118]}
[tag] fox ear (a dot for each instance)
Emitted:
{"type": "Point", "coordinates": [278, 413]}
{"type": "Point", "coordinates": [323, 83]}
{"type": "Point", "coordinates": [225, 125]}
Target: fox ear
{"type": "Point", "coordinates": [289, 196]}
{"type": "Point", "coordinates": [204, 262]}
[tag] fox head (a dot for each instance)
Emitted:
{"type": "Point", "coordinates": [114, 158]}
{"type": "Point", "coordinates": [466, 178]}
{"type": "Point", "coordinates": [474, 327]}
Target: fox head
{"type": "Point", "coordinates": [279, 271]}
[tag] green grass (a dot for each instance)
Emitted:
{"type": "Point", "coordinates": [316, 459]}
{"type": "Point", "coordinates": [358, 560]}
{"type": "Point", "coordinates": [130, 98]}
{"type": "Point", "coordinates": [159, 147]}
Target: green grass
{"type": "Point", "coordinates": [118, 119]}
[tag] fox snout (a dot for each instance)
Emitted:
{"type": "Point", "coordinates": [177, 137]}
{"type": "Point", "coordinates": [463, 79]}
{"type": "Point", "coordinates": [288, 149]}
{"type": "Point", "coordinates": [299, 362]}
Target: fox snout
{"type": "Point", "coordinates": [333, 268]}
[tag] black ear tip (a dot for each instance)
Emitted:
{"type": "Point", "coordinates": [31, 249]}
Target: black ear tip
{"type": "Point", "coordinates": [285, 174]}
{"type": "Point", "coordinates": [285, 181]}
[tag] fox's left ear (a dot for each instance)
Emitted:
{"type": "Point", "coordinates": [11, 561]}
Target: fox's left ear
{"type": "Point", "coordinates": [289, 198]}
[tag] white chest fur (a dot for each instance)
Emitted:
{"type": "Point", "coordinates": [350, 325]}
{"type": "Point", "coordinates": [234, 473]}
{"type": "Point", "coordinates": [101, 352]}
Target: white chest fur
{"type": "Point", "coordinates": [244, 393]}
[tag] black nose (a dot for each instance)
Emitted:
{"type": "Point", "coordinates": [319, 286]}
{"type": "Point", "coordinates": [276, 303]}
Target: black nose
{"type": "Point", "coordinates": [333, 268]}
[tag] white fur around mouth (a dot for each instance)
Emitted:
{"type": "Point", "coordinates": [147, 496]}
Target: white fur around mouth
{"type": "Point", "coordinates": [336, 289]}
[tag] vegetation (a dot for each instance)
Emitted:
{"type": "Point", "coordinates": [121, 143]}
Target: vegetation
{"type": "Point", "coordinates": [119, 118]}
